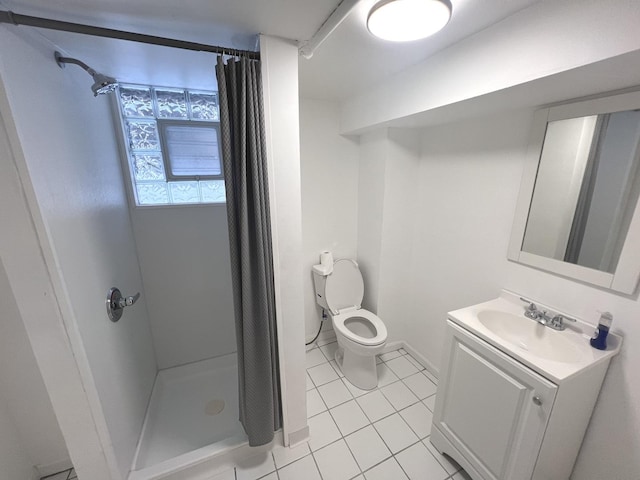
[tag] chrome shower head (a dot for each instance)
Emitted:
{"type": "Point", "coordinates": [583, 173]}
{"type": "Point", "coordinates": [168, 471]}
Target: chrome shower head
{"type": "Point", "coordinates": [101, 83]}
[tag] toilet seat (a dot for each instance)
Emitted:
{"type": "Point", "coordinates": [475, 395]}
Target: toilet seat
{"type": "Point", "coordinates": [344, 315]}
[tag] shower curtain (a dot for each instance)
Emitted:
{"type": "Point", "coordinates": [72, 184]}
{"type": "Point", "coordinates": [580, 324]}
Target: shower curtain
{"type": "Point", "coordinates": [245, 176]}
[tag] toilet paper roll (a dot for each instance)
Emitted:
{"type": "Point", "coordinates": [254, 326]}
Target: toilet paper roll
{"type": "Point", "coordinates": [326, 259]}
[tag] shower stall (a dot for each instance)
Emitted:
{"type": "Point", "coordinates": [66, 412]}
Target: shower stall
{"type": "Point", "coordinates": [160, 385]}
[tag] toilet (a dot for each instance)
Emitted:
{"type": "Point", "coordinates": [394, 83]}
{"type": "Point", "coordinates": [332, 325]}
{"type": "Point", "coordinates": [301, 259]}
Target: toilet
{"type": "Point", "coordinates": [361, 334]}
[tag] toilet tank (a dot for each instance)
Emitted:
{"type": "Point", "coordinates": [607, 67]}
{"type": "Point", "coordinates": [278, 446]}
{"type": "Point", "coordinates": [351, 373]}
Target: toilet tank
{"type": "Point", "coordinates": [319, 281]}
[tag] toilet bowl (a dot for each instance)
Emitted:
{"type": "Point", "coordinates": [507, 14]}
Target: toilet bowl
{"type": "Point", "coordinates": [361, 334]}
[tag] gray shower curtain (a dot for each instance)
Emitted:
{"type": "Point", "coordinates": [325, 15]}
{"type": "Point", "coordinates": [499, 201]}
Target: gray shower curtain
{"type": "Point", "coordinates": [245, 176]}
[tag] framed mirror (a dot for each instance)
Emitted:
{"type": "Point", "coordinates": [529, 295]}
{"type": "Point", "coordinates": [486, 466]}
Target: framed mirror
{"type": "Point", "coordinates": [577, 213]}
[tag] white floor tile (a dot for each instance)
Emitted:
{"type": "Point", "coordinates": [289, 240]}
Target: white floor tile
{"type": "Point", "coordinates": [323, 373]}
{"type": "Point", "coordinates": [385, 375]}
{"type": "Point", "coordinates": [349, 417]}
{"type": "Point", "coordinates": [401, 367]}
{"type": "Point", "coordinates": [414, 362]}
{"type": "Point", "coordinates": [322, 431]}
{"type": "Point", "coordinates": [228, 475]}
{"type": "Point", "coordinates": [334, 393]}
{"type": "Point", "coordinates": [448, 463]}
{"type": "Point", "coordinates": [336, 462]}
{"type": "Point", "coordinates": [399, 395]}
{"type": "Point", "coordinates": [375, 405]}
{"type": "Point", "coordinates": [336, 367]}
{"type": "Point", "coordinates": [271, 476]}
{"type": "Point", "coordinates": [310, 384]}
{"type": "Point", "coordinates": [59, 476]}
{"type": "Point", "coordinates": [388, 470]}
{"type": "Point", "coordinates": [315, 405]}
{"type": "Point", "coordinates": [395, 432]}
{"type": "Point", "coordinates": [355, 391]}
{"type": "Point", "coordinates": [430, 402]}
{"type": "Point", "coordinates": [304, 468]}
{"type": "Point", "coordinates": [285, 455]}
{"type": "Point", "coordinates": [385, 357]}
{"type": "Point", "coordinates": [329, 350]}
{"type": "Point", "coordinates": [315, 357]}
{"type": "Point", "coordinates": [255, 467]}
{"type": "Point", "coordinates": [419, 464]}
{"type": "Point", "coordinates": [420, 385]}
{"type": "Point", "coordinates": [367, 447]}
{"type": "Point", "coordinates": [419, 418]}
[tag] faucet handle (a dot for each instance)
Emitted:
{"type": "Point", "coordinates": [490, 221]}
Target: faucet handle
{"type": "Point", "coordinates": [557, 322]}
{"type": "Point", "coordinates": [531, 307]}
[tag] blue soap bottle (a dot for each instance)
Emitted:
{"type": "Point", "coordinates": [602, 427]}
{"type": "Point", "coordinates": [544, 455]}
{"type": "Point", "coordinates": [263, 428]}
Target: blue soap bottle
{"type": "Point", "coordinates": [599, 339]}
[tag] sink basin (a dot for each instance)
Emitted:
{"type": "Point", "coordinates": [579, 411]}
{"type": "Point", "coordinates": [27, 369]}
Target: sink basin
{"type": "Point", "coordinates": [528, 335]}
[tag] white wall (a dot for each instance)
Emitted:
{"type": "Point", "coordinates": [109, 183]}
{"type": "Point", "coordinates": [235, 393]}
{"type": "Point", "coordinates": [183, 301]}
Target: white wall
{"type": "Point", "coordinates": [399, 221]}
{"type": "Point", "coordinates": [24, 392]}
{"type": "Point", "coordinates": [184, 260]}
{"type": "Point", "coordinates": [329, 180]}
{"type": "Point", "coordinates": [389, 160]}
{"type": "Point", "coordinates": [14, 460]}
{"type": "Point", "coordinates": [279, 60]}
{"type": "Point", "coordinates": [545, 39]}
{"type": "Point", "coordinates": [69, 146]}
{"type": "Point", "coordinates": [373, 162]}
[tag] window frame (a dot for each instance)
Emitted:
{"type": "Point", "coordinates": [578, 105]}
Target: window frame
{"type": "Point", "coordinates": [126, 153]}
{"type": "Point", "coordinates": [162, 123]}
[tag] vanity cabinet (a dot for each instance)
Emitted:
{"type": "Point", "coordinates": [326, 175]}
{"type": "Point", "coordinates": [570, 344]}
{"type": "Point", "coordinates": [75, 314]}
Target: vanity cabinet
{"type": "Point", "coordinates": [501, 420]}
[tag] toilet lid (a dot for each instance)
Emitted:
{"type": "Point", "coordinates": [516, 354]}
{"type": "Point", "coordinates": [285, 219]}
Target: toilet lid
{"type": "Point", "coordinates": [344, 287]}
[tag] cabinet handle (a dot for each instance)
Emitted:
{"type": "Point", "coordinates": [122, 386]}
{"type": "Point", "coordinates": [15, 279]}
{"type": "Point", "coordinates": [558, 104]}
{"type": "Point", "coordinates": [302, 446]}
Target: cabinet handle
{"type": "Point", "coordinates": [537, 400]}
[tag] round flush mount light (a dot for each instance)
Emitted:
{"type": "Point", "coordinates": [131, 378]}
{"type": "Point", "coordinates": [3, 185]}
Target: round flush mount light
{"type": "Point", "coordinates": [407, 20]}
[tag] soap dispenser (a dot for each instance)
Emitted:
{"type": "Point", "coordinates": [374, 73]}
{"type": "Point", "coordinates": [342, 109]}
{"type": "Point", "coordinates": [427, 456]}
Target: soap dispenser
{"type": "Point", "coordinates": [599, 339]}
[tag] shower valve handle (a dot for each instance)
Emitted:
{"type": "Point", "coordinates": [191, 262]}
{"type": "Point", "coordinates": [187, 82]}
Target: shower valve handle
{"type": "Point", "coordinates": [116, 303]}
{"type": "Point", "coordinates": [128, 301]}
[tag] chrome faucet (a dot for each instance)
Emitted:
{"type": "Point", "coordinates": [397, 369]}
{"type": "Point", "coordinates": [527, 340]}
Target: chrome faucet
{"type": "Point", "coordinates": [533, 313]}
{"type": "Point", "coordinates": [557, 322]}
{"type": "Point", "coordinates": [542, 316]}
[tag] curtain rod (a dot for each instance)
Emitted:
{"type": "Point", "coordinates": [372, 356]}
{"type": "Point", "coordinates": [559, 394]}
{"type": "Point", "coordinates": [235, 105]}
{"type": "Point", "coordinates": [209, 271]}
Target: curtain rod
{"type": "Point", "coordinates": [17, 19]}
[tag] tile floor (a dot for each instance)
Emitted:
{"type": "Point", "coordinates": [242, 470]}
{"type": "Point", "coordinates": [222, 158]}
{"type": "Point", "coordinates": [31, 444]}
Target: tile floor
{"type": "Point", "coordinates": [356, 434]}
{"type": "Point", "coordinates": [65, 475]}
{"type": "Point", "coordinates": [381, 434]}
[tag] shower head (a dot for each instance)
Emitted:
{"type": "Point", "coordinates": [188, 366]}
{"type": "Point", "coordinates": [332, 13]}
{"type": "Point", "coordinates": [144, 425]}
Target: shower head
{"type": "Point", "coordinates": [101, 83]}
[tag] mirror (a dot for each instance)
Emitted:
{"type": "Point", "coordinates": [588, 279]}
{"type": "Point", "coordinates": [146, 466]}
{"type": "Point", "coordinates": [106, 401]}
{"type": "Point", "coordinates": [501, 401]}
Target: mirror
{"type": "Point", "coordinates": [580, 189]}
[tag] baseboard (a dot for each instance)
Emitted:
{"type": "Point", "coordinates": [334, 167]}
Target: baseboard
{"type": "Point", "coordinates": [54, 467]}
{"type": "Point", "coordinates": [430, 367]}
{"type": "Point", "coordinates": [299, 436]}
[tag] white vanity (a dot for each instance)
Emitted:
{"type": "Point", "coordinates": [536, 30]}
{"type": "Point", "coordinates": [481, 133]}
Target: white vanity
{"type": "Point", "coordinates": [515, 396]}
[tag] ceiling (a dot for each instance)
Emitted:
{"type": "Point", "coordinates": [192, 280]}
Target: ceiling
{"type": "Point", "coordinates": [349, 60]}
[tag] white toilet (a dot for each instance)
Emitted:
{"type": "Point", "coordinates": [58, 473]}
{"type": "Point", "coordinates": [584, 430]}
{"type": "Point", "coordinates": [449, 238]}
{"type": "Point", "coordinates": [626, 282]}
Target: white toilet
{"type": "Point", "coordinates": [361, 334]}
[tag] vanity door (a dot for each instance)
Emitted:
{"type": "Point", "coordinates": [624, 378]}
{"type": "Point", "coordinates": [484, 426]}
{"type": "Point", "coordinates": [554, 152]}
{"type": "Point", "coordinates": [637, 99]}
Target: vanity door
{"type": "Point", "coordinates": [493, 409]}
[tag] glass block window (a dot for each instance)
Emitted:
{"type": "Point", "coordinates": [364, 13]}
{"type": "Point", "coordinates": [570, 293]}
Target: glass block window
{"type": "Point", "coordinates": [172, 142]}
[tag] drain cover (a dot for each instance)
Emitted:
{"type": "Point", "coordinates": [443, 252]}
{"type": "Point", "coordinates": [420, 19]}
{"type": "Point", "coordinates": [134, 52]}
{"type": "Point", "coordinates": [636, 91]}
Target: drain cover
{"type": "Point", "coordinates": [214, 407]}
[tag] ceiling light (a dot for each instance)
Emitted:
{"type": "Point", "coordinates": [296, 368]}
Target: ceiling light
{"type": "Point", "coordinates": [406, 20]}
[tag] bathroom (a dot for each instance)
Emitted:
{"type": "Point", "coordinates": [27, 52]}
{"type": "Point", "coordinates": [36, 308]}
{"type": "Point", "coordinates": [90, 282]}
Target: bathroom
{"type": "Point", "coordinates": [426, 208]}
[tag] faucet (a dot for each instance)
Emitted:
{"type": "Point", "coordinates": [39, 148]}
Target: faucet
{"type": "Point", "coordinates": [543, 318]}
{"type": "Point", "coordinates": [533, 313]}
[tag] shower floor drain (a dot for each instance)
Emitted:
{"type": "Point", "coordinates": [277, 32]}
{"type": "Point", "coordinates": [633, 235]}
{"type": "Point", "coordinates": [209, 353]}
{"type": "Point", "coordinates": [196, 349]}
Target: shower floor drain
{"type": "Point", "coordinates": [214, 407]}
